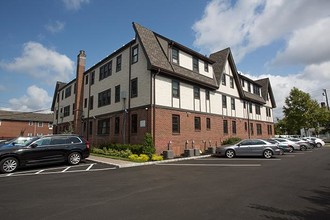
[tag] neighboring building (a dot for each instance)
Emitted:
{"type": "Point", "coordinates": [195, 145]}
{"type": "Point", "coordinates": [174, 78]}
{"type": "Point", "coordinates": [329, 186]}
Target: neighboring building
{"type": "Point", "coordinates": [156, 85]}
{"type": "Point", "coordinates": [14, 124]}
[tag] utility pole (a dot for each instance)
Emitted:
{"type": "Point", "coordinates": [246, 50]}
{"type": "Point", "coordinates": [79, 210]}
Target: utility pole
{"type": "Point", "coordinates": [326, 97]}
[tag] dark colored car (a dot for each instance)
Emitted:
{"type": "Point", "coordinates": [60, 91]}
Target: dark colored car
{"type": "Point", "coordinates": [283, 146]}
{"type": "Point", "coordinates": [44, 150]}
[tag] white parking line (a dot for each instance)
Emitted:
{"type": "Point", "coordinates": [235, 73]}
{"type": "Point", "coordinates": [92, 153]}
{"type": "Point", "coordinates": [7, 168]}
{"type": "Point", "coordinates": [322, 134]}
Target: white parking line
{"type": "Point", "coordinates": [211, 165]}
{"type": "Point", "coordinates": [40, 171]}
{"type": "Point", "coordinates": [90, 166]}
{"type": "Point", "coordinates": [65, 169]}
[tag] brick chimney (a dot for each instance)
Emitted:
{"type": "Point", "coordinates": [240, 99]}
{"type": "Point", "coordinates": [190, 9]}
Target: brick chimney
{"type": "Point", "coordinates": [78, 111]}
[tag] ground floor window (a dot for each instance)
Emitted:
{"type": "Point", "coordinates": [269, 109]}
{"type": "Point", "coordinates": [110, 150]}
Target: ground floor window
{"type": "Point", "coordinates": [103, 126]}
{"type": "Point", "coordinates": [175, 123]}
{"type": "Point", "coordinates": [233, 127]}
{"type": "Point", "coordinates": [225, 126]}
{"type": "Point", "coordinates": [134, 123]}
{"type": "Point", "coordinates": [197, 123]}
{"type": "Point", "coordinates": [259, 129]}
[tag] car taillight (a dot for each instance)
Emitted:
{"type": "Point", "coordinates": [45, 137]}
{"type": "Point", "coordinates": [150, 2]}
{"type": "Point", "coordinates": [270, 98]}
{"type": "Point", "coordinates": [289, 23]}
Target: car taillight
{"type": "Point", "coordinates": [87, 143]}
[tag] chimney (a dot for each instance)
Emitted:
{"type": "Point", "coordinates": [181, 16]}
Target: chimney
{"type": "Point", "coordinates": [78, 111]}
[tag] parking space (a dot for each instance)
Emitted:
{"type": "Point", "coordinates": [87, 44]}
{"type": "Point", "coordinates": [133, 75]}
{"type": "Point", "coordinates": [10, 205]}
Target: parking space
{"type": "Point", "coordinates": [86, 166]}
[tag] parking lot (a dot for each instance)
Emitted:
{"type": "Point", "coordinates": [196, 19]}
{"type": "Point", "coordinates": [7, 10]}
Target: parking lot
{"type": "Point", "coordinates": [291, 186]}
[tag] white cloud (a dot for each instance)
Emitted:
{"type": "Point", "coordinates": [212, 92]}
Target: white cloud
{"type": "Point", "coordinates": [41, 63]}
{"type": "Point", "coordinates": [249, 25]}
{"type": "Point", "coordinates": [35, 99]}
{"type": "Point", "coordinates": [74, 4]}
{"type": "Point", "coordinates": [55, 27]}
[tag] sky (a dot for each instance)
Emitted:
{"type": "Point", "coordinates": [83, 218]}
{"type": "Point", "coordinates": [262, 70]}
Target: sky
{"type": "Point", "coordinates": [285, 41]}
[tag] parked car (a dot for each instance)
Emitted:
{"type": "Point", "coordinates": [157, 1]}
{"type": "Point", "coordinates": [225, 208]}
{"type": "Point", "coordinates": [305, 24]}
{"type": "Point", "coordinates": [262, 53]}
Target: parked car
{"type": "Point", "coordinates": [292, 145]}
{"type": "Point", "coordinates": [304, 145]}
{"type": "Point", "coordinates": [310, 141]}
{"type": "Point", "coordinates": [318, 141]}
{"type": "Point", "coordinates": [285, 147]}
{"type": "Point", "coordinates": [249, 147]}
{"type": "Point", "coordinates": [44, 150]}
{"type": "Point", "coordinates": [19, 141]}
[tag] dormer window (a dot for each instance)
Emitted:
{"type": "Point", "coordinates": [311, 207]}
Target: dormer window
{"type": "Point", "coordinates": [206, 67]}
{"type": "Point", "coordinates": [175, 55]}
{"type": "Point", "coordinates": [195, 64]}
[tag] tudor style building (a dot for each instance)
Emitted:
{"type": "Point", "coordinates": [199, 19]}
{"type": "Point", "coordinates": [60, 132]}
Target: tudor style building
{"type": "Point", "coordinates": [156, 85]}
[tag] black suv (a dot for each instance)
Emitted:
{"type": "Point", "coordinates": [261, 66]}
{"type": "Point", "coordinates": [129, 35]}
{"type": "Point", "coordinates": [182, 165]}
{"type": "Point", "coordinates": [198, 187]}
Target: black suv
{"type": "Point", "coordinates": [44, 150]}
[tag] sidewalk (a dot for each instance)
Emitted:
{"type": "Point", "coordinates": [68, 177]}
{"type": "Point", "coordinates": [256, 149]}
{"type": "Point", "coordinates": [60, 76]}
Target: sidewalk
{"type": "Point", "coordinates": [124, 163]}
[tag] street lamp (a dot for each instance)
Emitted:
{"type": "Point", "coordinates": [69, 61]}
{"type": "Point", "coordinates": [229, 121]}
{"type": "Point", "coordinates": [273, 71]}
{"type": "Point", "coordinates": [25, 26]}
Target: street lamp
{"type": "Point", "coordinates": [326, 97]}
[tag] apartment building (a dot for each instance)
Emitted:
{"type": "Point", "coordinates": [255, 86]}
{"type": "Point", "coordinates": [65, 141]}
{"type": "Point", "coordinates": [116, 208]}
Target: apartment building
{"type": "Point", "coordinates": [14, 124]}
{"type": "Point", "coordinates": [156, 85]}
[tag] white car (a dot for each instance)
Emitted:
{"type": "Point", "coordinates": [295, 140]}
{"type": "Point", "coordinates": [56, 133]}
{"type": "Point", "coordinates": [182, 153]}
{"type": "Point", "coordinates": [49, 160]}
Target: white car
{"type": "Point", "coordinates": [318, 142]}
{"type": "Point", "coordinates": [291, 144]}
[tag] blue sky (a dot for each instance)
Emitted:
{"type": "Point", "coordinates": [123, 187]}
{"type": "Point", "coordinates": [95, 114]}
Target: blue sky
{"type": "Point", "coordinates": [286, 41]}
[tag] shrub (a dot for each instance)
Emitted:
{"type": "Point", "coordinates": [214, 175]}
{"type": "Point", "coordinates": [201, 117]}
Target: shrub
{"type": "Point", "coordinates": [232, 140]}
{"type": "Point", "coordinates": [155, 157]}
{"type": "Point", "coordinates": [139, 158]}
{"type": "Point", "coordinates": [111, 152]}
{"type": "Point", "coordinates": [148, 148]}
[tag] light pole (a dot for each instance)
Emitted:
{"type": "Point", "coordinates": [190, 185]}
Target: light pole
{"type": "Point", "coordinates": [326, 97]}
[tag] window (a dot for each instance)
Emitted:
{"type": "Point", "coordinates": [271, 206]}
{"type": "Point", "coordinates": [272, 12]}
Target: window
{"type": "Point", "coordinates": [175, 55]}
{"type": "Point", "coordinates": [135, 54]}
{"type": "Point", "coordinates": [91, 102]}
{"type": "Point", "coordinates": [175, 89]}
{"type": "Point", "coordinates": [134, 88]}
{"type": "Point", "coordinates": [197, 123]}
{"type": "Point", "coordinates": [85, 103]}
{"type": "Point", "coordinates": [117, 125]}
{"type": "Point", "coordinates": [117, 93]}
{"type": "Point", "coordinates": [249, 87]}
{"type": "Point", "coordinates": [68, 92]}
{"type": "Point", "coordinates": [242, 81]}
{"type": "Point", "coordinates": [206, 66]}
{"type": "Point", "coordinates": [103, 126]}
{"type": "Point", "coordinates": [233, 106]}
{"type": "Point", "coordinates": [270, 129]}
{"type": "Point", "coordinates": [66, 111]}
{"type": "Point", "coordinates": [256, 90]}
{"type": "Point", "coordinates": [104, 98]}
{"type": "Point", "coordinates": [251, 128]}
{"type": "Point", "coordinates": [86, 79]}
{"type": "Point", "coordinates": [73, 108]}
{"type": "Point", "coordinates": [245, 126]}
{"type": "Point", "coordinates": [257, 109]}
{"type": "Point", "coordinates": [231, 81]}
{"type": "Point", "coordinates": [250, 107]}
{"type": "Point", "coordinates": [224, 101]}
{"type": "Point", "coordinates": [196, 92]}
{"type": "Point", "coordinates": [134, 124]}
{"type": "Point", "coordinates": [268, 112]}
{"type": "Point", "coordinates": [259, 129]}
{"type": "Point", "coordinates": [105, 70]}
{"type": "Point", "coordinates": [207, 94]}
{"type": "Point", "coordinates": [62, 95]}
{"type": "Point", "coordinates": [90, 127]}
{"type": "Point", "coordinates": [233, 127]}
{"type": "Point", "coordinates": [195, 64]}
{"type": "Point", "coordinates": [175, 123]}
{"type": "Point", "coordinates": [223, 79]}
{"type": "Point", "coordinates": [244, 105]}
{"type": "Point", "coordinates": [118, 63]}
{"type": "Point", "coordinates": [225, 126]}
{"type": "Point", "coordinates": [92, 77]}
{"type": "Point", "coordinates": [208, 123]}
{"type": "Point", "coordinates": [40, 124]}
{"type": "Point", "coordinates": [30, 123]}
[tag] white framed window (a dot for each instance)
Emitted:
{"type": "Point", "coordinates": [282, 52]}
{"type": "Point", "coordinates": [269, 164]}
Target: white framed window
{"type": "Point", "coordinates": [29, 134]}
{"type": "Point", "coordinates": [40, 124]}
{"type": "Point", "coordinates": [30, 123]}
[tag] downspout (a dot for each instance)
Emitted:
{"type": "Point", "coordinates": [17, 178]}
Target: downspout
{"type": "Point", "coordinates": [127, 111]}
{"type": "Point", "coordinates": [248, 114]}
{"type": "Point", "coordinates": [88, 107]}
{"type": "Point", "coordinates": [154, 105]}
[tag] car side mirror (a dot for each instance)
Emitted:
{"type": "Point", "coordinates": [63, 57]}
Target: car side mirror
{"type": "Point", "coordinates": [33, 145]}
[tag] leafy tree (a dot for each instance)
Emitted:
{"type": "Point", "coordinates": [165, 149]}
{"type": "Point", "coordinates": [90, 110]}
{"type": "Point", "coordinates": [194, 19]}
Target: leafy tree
{"type": "Point", "coordinates": [300, 111]}
{"type": "Point", "coordinates": [280, 126]}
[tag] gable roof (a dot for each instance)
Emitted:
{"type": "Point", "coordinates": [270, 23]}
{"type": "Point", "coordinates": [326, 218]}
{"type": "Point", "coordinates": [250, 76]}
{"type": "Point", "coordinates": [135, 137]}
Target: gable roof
{"type": "Point", "coordinates": [266, 89]}
{"type": "Point", "coordinates": [158, 60]}
{"type": "Point", "coordinates": [58, 87]}
{"type": "Point", "coordinates": [25, 116]}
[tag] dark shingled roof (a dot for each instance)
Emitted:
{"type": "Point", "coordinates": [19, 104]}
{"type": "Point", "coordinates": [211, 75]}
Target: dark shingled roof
{"type": "Point", "coordinates": [157, 59]}
{"type": "Point", "coordinates": [25, 116]}
{"type": "Point", "coordinates": [265, 89]}
{"type": "Point", "coordinates": [58, 87]}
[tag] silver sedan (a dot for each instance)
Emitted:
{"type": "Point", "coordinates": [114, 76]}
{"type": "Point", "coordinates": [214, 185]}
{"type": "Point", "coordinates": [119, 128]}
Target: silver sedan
{"type": "Point", "coordinates": [249, 147]}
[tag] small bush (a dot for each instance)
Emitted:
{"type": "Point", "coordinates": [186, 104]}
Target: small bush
{"type": "Point", "coordinates": [232, 140]}
{"type": "Point", "coordinates": [111, 152]}
{"type": "Point", "coordinates": [155, 157]}
{"type": "Point", "coordinates": [139, 158]}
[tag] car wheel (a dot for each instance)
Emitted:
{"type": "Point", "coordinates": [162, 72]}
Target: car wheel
{"type": "Point", "coordinates": [230, 153]}
{"type": "Point", "coordinates": [8, 165]}
{"type": "Point", "coordinates": [291, 149]}
{"type": "Point", "coordinates": [74, 158]}
{"type": "Point", "coordinates": [303, 148]}
{"type": "Point", "coordinates": [318, 145]}
{"type": "Point", "coordinates": [268, 154]}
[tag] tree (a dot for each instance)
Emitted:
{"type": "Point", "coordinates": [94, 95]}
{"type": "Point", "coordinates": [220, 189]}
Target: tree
{"type": "Point", "coordinates": [280, 126]}
{"type": "Point", "coordinates": [300, 111]}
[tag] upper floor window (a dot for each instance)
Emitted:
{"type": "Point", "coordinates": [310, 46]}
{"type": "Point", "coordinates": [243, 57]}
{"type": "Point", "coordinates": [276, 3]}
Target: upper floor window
{"type": "Point", "coordinates": [268, 112]}
{"type": "Point", "coordinates": [256, 90]}
{"type": "Point", "coordinates": [195, 64]}
{"type": "Point", "coordinates": [223, 80]}
{"type": "Point", "coordinates": [258, 109]}
{"type": "Point", "coordinates": [66, 111]}
{"type": "Point", "coordinates": [117, 93]}
{"type": "Point", "coordinates": [135, 54]}
{"type": "Point", "coordinates": [118, 63]}
{"type": "Point", "coordinates": [250, 107]}
{"type": "Point", "coordinates": [104, 98]}
{"type": "Point", "coordinates": [233, 106]}
{"type": "Point", "coordinates": [207, 94]}
{"type": "Point", "coordinates": [134, 87]}
{"type": "Point", "coordinates": [68, 92]}
{"type": "Point", "coordinates": [40, 124]}
{"type": "Point", "coordinates": [242, 81]}
{"type": "Point", "coordinates": [30, 123]}
{"type": "Point", "coordinates": [92, 77]}
{"type": "Point", "coordinates": [91, 102]}
{"type": "Point", "coordinates": [86, 79]}
{"type": "Point", "coordinates": [231, 82]}
{"type": "Point", "coordinates": [224, 101]}
{"type": "Point", "coordinates": [196, 92]}
{"type": "Point", "coordinates": [175, 55]}
{"type": "Point", "coordinates": [105, 70]}
{"type": "Point", "coordinates": [249, 87]}
{"type": "Point", "coordinates": [175, 89]}
{"type": "Point", "coordinates": [206, 66]}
